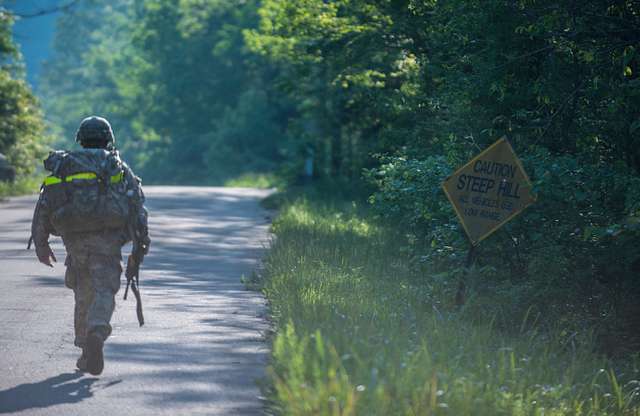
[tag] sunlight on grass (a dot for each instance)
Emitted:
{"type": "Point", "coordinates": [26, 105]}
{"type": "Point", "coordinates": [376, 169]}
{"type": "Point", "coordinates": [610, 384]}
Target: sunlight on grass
{"type": "Point", "coordinates": [21, 186]}
{"type": "Point", "coordinates": [304, 214]}
{"type": "Point", "coordinates": [359, 334]}
{"type": "Point", "coordinates": [255, 180]}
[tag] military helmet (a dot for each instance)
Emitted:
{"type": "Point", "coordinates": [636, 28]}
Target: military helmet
{"type": "Point", "coordinates": [95, 130]}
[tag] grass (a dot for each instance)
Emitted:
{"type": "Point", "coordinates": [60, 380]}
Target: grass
{"type": "Point", "coordinates": [358, 332]}
{"type": "Point", "coordinates": [21, 186]}
{"type": "Point", "coordinates": [255, 180]}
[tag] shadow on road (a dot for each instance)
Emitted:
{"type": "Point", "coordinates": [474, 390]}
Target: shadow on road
{"type": "Point", "coordinates": [63, 388]}
{"type": "Point", "coordinates": [203, 344]}
{"type": "Point", "coordinates": [202, 242]}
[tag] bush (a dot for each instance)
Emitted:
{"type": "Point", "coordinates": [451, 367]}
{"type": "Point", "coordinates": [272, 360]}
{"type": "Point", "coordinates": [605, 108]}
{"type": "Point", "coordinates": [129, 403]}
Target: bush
{"type": "Point", "coordinates": [584, 218]}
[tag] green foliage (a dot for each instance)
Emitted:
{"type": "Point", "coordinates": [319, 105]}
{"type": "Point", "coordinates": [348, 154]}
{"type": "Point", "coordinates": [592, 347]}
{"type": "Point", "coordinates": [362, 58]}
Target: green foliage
{"type": "Point", "coordinates": [29, 184]}
{"type": "Point", "coordinates": [361, 332]}
{"type": "Point", "coordinates": [382, 75]}
{"type": "Point", "coordinates": [409, 194]}
{"type": "Point", "coordinates": [429, 84]}
{"type": "Point", "coordinates": [584, 219]}
{"type": "Point", "coordinates": [343, 67]}
{"type": "Point", "coordinates": [21, 128]}
{"type": "Point", "coordinates": [255, 180]}
{"type": "Point", "coordinates": [83, 76]}
{"type": "Point", "coordinates": [346, 79]}
{"type": "Point", "coordinates": [244, 135]}
{"type": "Point", "coordinates": [186, 102]}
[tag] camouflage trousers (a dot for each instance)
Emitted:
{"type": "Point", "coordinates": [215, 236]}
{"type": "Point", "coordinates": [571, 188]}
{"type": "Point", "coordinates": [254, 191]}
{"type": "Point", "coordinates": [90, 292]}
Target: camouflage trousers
{"type": "Point", "coordinates": [95, 280]}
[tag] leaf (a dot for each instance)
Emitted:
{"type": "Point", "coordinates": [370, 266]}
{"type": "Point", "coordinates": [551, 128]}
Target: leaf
{"type": "Point", "coordinates": [536, 236]}
{"type": "Point", "coordinates": [628, 55]}
{"type": "Point", "coordinates": [588, 56]}
{"type": "Point", "coordinates": [627, 71]}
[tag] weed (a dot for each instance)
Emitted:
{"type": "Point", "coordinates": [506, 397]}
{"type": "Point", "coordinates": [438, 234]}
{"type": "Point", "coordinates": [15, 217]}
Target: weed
{"type": "Point", "coordinates": [361, 333]}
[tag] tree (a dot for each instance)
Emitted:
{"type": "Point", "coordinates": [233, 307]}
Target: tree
{"type": "Point", "coordinates": [21, 132]}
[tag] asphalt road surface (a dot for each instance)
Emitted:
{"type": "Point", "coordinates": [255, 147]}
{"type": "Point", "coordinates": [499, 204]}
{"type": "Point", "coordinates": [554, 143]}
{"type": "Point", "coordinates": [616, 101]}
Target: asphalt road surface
{"type": "Point", "coordinates": [202, 347]}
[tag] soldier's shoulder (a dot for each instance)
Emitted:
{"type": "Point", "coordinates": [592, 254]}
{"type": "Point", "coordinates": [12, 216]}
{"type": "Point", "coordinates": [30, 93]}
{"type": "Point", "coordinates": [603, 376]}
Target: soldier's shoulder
{"type": "Point", "coordinates": [131, 177]}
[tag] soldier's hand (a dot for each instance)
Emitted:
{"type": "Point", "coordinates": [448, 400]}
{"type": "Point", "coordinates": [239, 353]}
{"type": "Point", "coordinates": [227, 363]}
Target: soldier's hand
{"type": "Point", "coordinates": [45, 255]}
{"type": "Point", "coordinates": [146, 242]}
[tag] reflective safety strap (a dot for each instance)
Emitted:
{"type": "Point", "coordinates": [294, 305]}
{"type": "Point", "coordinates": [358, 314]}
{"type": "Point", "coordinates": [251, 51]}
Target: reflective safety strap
{"type": "Point", "coordinates": [117, 178]}
{"type": "Point", "coordinates": [84, 176]}
{"type": "Point", "coordinates": [53, 180]}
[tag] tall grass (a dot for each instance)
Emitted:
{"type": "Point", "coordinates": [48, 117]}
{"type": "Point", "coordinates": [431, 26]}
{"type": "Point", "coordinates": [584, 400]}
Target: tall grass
{"type": "Point", "coordinates": [255, 180]}
{"type": "Point", "coordinates": [361, 333]}
{"type": "Point", "coordinates": [21, 186]}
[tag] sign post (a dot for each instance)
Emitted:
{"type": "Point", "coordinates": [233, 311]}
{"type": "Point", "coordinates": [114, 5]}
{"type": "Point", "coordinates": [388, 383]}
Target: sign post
{"type": "Point", "coordinates": [486, 193]}
{"type": "Point", "coordinates": [489, 190]}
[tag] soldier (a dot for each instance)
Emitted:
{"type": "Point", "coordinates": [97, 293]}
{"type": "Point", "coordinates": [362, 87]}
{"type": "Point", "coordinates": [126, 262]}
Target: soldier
{"type": "Point", "coordinates": [84, 205]}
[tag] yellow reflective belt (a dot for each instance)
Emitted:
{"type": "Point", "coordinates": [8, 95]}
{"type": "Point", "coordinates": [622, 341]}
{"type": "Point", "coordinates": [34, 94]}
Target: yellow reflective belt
{"type": "Point", "coordinates": [117, 178]}
{"type": "Point", "coordinates": [52, 180]}
{"type": "Point", "coordinates": [85, 176]}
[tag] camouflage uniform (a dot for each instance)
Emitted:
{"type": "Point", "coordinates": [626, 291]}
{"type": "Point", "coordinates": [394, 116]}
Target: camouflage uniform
{"type": "Point", "coordinates": [93, 272]}
{"type": "Point", "coordinates": [93, 266]}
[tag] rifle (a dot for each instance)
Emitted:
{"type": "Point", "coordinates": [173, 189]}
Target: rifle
{"type": "Point", "coordinates": [140, 239]}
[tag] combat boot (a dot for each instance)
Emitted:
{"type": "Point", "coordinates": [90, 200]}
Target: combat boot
{"type": "Point", "coordinates": [81, 364]}
{"type": "Point", "coordinates": [95, 358]}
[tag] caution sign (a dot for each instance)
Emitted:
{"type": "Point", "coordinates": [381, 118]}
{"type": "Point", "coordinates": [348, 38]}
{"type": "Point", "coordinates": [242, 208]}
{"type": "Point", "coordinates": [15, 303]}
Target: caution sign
{"type": "Point", "coordinates": [489, 190]}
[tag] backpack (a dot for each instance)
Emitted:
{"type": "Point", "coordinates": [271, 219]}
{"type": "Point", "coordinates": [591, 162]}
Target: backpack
{"type": "Point", "coordinates": [86, 190]}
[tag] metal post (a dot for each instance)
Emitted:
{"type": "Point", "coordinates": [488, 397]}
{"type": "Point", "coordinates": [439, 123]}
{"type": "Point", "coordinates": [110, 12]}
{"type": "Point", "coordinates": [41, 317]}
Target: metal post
{"type": "Point", "coordinates": [462, 287]}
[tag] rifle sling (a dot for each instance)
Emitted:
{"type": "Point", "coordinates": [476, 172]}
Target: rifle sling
{"type": "Point", "coordinates": [136, 292]}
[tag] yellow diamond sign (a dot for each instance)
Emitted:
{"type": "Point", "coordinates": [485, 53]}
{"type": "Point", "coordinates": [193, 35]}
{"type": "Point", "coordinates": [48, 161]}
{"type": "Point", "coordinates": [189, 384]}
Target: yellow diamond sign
{"type": "Point", "coordinates": [489, 190]}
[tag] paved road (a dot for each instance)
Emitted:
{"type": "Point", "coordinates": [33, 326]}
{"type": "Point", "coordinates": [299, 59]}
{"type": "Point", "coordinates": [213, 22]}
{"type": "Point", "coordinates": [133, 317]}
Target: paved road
{"type": "Point", "coordinates": [202, 347]}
